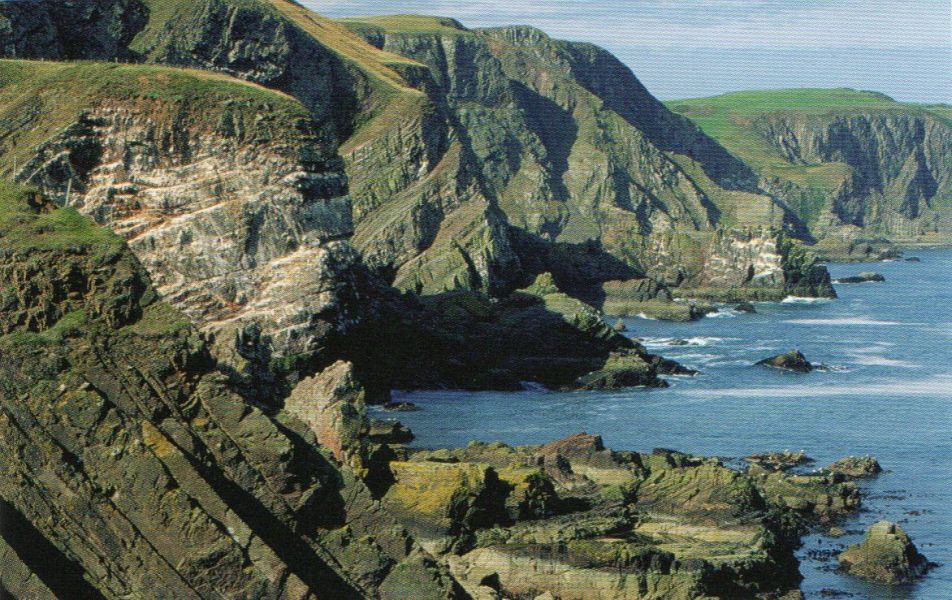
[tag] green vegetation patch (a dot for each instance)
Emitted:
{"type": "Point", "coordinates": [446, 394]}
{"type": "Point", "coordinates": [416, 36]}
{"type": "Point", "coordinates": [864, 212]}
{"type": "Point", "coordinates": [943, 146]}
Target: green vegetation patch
{"type": "Point", "coordinates": [422, 24]}
{"type": "Point", "coordinates": [26, 222]}
{"type": "Point", "coordinates": [40, 99]}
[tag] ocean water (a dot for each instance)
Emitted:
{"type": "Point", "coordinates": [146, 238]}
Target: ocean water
{"type": "Point", "coordinates": [885, 390]}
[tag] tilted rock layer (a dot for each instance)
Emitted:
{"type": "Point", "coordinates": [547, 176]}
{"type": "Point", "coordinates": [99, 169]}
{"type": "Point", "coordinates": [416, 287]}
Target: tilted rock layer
{"type": "Point", "coordinates": [129, 469]}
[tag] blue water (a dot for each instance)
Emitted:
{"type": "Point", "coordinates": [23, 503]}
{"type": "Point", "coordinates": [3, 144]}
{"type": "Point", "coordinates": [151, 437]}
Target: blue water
{"type": "Point", "coordinates": [887, 391]}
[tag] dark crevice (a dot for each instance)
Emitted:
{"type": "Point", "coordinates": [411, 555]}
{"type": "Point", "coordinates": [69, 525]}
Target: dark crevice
{"type": "Point", "coordinates": [57, 571]}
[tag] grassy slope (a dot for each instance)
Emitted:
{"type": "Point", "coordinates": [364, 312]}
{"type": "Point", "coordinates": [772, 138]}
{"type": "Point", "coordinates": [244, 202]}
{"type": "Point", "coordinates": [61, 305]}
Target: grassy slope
{"type": "Point", "coordinates": [23, 226]}
{"type": "Point", "coordinates": [406, 24]}
{"type": "Point", "coordinates": [39, 99]}
{"type": "Point", "coordinates": [392, 99]}
{"type": "Point", "coordinates": [727, 119]}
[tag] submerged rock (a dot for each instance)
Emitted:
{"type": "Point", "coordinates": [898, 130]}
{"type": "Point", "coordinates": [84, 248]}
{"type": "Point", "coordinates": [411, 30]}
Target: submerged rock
{"type": "Point", "coordinates": [745, 307]}
{"type": "Point", "coordinates": [401, 406]}
{"type": "Point", "coordinates": [914, 259]}
{"type": "Point", "coordinates": [791, 361]}
{"type": "Point", "coordinates": [887, 555]}
{"type": "Point", "coordinates": [867, 276]}
{"type": "Point", "coordinates": [856, 467]}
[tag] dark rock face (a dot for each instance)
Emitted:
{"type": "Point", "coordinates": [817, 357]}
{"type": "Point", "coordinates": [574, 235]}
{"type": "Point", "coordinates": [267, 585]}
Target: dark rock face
{"type": "Point", "coordinates": [452, 340]}
{"type": "Point", "coordinates": [865, 277]}
{"type": "Point", "coordinates": [92, 29]}
{"type": "Point", "coordinates": [897, 159]}
{"type": "Point", "coordinates": [887, 555]}
{"type": "Point", "coordinates": [791, 361]}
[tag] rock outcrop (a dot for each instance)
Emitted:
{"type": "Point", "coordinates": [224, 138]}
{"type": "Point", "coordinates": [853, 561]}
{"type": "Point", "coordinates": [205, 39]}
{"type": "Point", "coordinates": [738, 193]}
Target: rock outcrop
{"type": "Point", "coordinates": [129, 469]}
{"type": "Point", "coordinates": [887, 555]}
{"type": "Point", "coordinates": [855, 467]}
{"type": "Point", "coordinates": [582, 521]}
{"type": "Point", "coordinates": [864, 277]}
{"type": "Point", "coordinates": [791, 361]}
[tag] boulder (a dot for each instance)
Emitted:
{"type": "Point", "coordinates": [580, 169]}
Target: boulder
{"type": "Point", "coordinates": [620, 326]}
{"type": "Point", "coordinates": [622, 369]}
{"type": "Point", "coordinates": [887, 555]}
{"type": "Point", "coordinates": [437, 499]}
{"type": "Point", "coordinates": [861, 278]}
{"type": "Point", "coordinates": [332, 404]}
{"type": "Point", "coordinates": [791, 361]}
{"type": "Point", "coordinates": [745, 307]}
{"type": "Point", "coordinates": [856, 467]}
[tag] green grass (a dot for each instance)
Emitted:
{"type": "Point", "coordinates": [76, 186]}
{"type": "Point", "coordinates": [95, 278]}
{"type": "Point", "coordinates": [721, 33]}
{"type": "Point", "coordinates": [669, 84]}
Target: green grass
{"type": "Point", "coordinates": [381, 67]}
{"type": "Point", "coordinates": [23, 225]}
{"type": "Point", "coordinates": [159, 319]}
{"type": "Point", "coordinates": [421, 24]}
{"type": "Point", "coordinates": [69, 324]}
{"type": "Point", "coordinates": [39, 99]}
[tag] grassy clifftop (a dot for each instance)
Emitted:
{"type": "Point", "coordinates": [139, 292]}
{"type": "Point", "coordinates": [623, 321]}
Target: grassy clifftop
{"type": "Point", "coordinates": [39, 99]}
{"type": "Point", "coordinates": [728, 117]}
{"type": "Point", "coordinates": [840, 156]}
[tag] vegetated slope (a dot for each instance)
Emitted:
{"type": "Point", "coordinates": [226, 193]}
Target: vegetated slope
{"type": "Point", "coordinates": [129, 469]}
{"type": "Point", "coordinates": [230, 195]}
{"type": "Point", "coordinates": [849, 163]}
{"type": "Point", "coordinates": [464, 175]}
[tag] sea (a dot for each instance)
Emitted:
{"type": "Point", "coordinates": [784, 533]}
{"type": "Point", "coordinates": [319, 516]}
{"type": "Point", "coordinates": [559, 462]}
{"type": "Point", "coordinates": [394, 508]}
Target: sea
{"type": "Point", "coordinates": [883, 388]}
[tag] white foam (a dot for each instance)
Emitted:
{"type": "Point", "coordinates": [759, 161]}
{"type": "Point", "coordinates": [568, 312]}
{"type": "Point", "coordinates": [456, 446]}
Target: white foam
{"type": "Point", "coordinates": [937, 386]}
{"type": "Point", "coordinates": [723, 313]}
{"type": "Point", "coordinates": [846, 321]}
{"type": "Point", "coordinates": [646, 317]}
{"type": "Point", "coordinates": [802, 300]}
{"type": "Point", "coordinates": [873, 360]}
{"type": "Point", "coordinates": [691, 341]}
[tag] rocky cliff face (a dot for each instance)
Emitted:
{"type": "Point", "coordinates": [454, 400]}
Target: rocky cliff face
{"type": "Point", "coordinates": [899, 184]}
{"type": "Point", "coordinates": [229, 196]}
{"type": "Point", "coordinates": [130, 470]}
{"type": "Point", "coordinates": [573, 150]}
{"type": "Point", "coordinates": [459, 143]}
{"type": "Point", "coordinates": [855, 167]}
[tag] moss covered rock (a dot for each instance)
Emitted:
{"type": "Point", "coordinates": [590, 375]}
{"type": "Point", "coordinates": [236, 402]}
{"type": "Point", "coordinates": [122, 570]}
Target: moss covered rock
{"type": "Point", "coordinates": [887, 555]}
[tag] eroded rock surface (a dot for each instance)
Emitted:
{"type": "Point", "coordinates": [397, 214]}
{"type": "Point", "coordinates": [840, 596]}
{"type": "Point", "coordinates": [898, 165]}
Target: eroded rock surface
{"type": "Point", "coordinates": [588, 522]}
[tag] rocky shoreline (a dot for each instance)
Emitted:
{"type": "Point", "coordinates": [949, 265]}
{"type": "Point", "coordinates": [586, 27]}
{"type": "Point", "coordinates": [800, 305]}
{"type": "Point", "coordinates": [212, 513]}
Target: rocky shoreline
{"type": "Point", "coordinates": [246, 223]}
